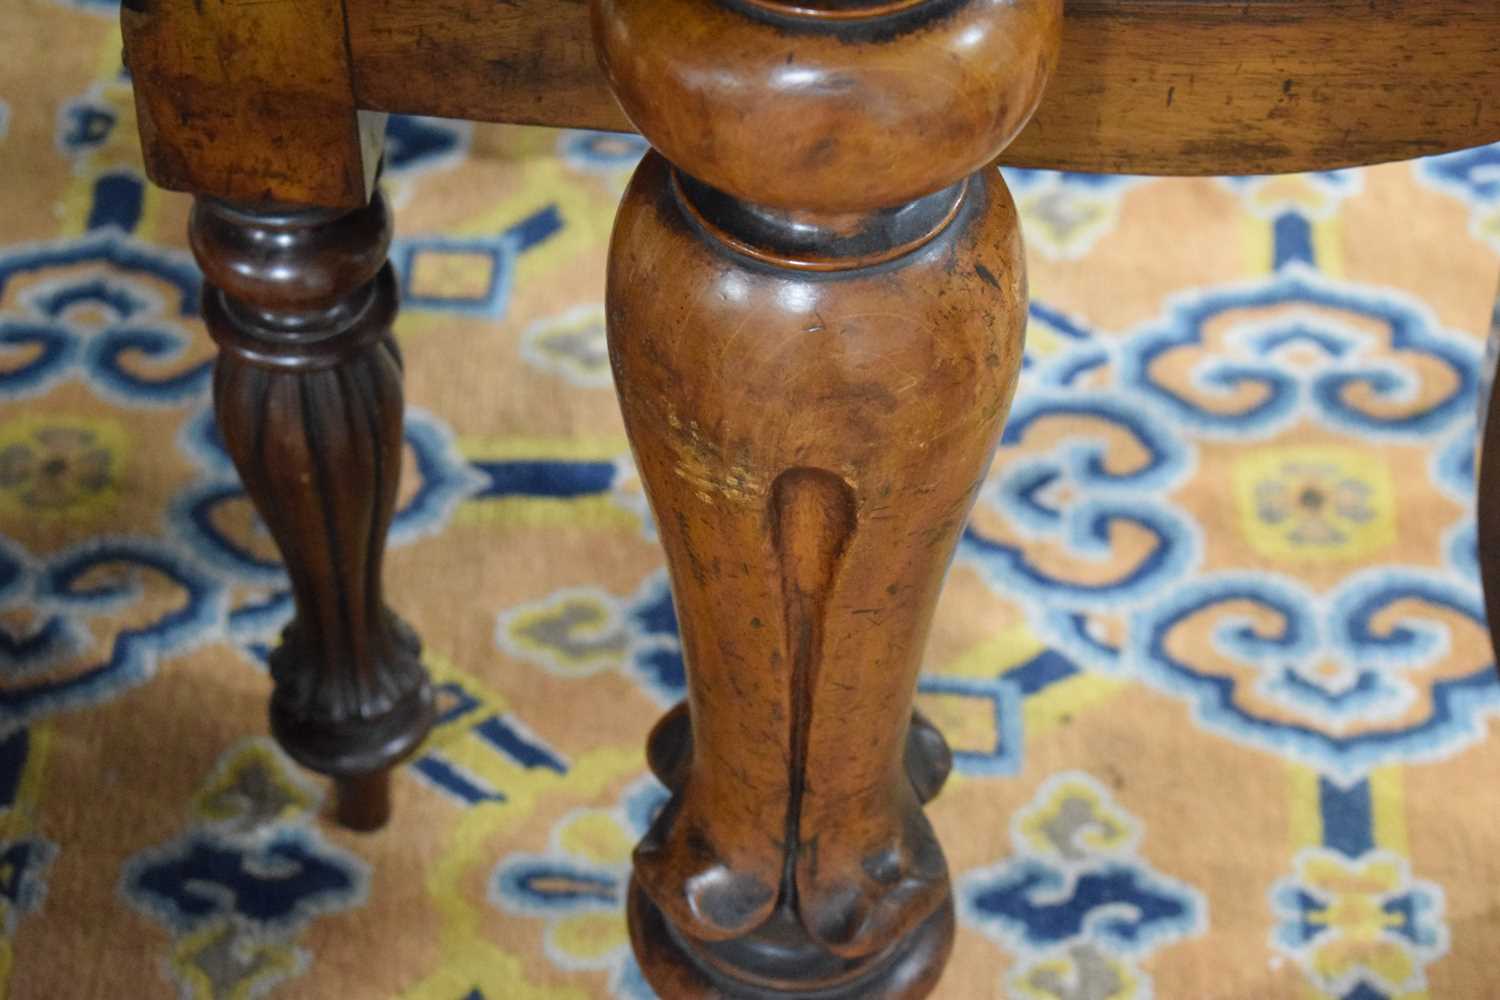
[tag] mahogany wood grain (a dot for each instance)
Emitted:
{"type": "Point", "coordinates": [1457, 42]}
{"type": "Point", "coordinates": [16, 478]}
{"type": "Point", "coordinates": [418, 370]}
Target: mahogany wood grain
{"type": "Point", "coordinates": [814, 375]}
{"type": "Point", "coordinates": [307, 391]}
{"type": "Point", "coordinates": [1142, 86]}
{"type": "Point", "coordinates": [257, 102]}
{"type": "Point", "coordinates": [810, 116]}
{"type": "Point", "coordinates": [250, 102]}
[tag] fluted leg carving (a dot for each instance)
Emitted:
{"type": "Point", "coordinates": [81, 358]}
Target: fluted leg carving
{"type": "Point", "coordinates": [816, 302]}
{"type": "Point", "coordinates": [307, 391]}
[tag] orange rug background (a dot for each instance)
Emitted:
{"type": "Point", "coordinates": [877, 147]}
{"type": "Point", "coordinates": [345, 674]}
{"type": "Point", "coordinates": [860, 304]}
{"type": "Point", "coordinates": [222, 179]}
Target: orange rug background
{"type": "Point", "coordinates": [1211, 654]}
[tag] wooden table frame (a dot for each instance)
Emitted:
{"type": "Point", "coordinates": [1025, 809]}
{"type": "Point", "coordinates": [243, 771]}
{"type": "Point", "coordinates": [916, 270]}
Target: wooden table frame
{"type": "Point", "coordinates": [816, 303]}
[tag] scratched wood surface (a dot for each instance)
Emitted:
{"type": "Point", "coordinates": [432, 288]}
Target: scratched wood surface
{"type": "Point", "coordinates": [264, 101]}
{"type": "Point", "coordinates": [1143, 86]}
{"type": "Point", "coordinates": [250, 101]}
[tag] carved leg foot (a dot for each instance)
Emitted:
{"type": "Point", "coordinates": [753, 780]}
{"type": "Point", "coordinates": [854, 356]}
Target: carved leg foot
{"type": "Point", "coordinates": [763, 967]}
{"type": "Point", "coordinates": [307, 392]}
{"type": "Point", "coordinates": [928, 759]}
{"type": "Point", "coordinates": [815, 309]}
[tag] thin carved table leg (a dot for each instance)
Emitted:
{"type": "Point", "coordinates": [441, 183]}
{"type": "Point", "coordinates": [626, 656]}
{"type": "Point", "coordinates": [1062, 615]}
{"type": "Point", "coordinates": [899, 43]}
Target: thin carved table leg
{"type": "Point", "coordinates": [1489, 488]}
{"type": "Point", "coordinates": [307, 391]}
{"type": "Point", "coordinates": [816, 303]}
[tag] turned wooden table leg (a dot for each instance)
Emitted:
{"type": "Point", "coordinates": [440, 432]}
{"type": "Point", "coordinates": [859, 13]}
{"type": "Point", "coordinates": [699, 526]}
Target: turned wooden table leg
{"type": "Point", "coordinates": [307, 391]}
{"type": "Point", "coordinates": [816, 302]}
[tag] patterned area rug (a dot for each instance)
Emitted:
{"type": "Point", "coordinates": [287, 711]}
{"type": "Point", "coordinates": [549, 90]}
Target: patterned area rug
{"type": "Point", "coordinates": [1212, 654]}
